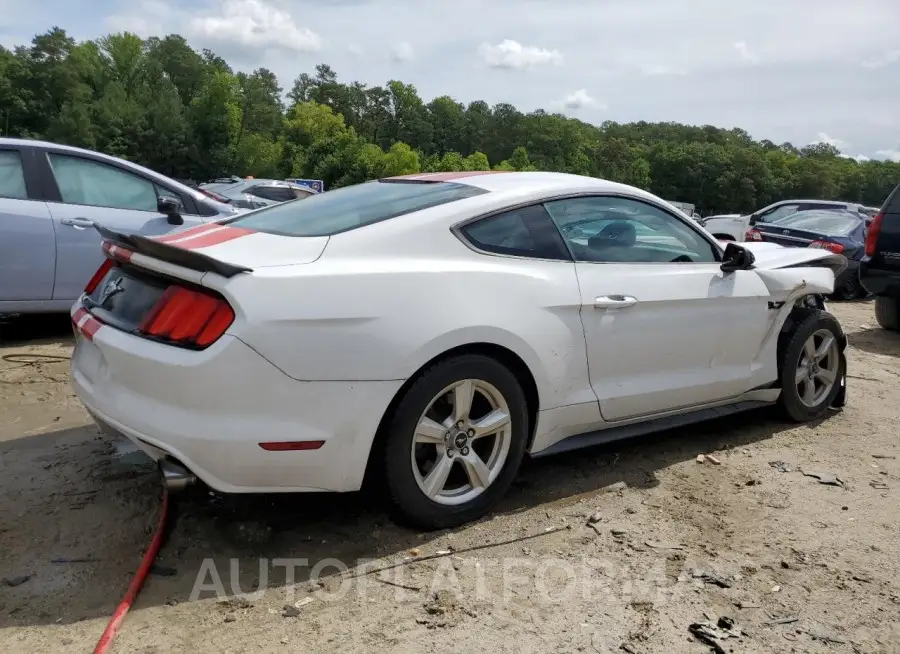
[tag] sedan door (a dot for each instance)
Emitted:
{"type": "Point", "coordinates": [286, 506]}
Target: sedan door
{"type": "Point", "coordinates": [27, 241]}
{"type": "Point", "coordinates": [93, 192]}
{"type": "Point", "coordinates": [665, 328]}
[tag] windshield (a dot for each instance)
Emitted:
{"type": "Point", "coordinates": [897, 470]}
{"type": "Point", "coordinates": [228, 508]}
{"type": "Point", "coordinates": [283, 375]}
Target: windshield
{"type": "Point", "coordinates": [351, 207]}
{"type": "Point", "coordinates": [830, 223]}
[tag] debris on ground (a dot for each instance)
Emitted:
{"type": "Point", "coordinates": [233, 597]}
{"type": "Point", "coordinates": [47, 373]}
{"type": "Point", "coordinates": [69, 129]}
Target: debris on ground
{"type": "Point", "coordinates": [710, 578]}
{"type": "Point", "coordinates": [827, 478]}
{"type": "Point", "coordinates": [788, 619]}
{"type": "Point", "coordinates": [443, 611]}
{"type": "Point", "coordinates": [715, 635]}
{"type": "Point", "coordinates": [703, 458]}
{"type": "Point", "coordinates": [781, 466]}
{"type": "Point", "coordinates": [883, 456]}
{"type": "Point", "coordinates": [594, 518]}
{"type": "Point", "coordinates": [16, 581]}
{"type": "Point", "coordinates": [290, 611]}
{"type": "Point", "coordinates": [663, 546]}
{"type": "Point", "coordinates": [879, 485]}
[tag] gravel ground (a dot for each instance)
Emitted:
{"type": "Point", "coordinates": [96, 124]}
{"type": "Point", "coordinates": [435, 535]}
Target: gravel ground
{"type": "Point", "coordinates": [614, 549]}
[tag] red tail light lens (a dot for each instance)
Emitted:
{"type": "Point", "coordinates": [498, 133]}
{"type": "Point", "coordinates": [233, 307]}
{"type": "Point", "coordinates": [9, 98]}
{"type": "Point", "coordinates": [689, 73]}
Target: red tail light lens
{"type": "Point", "coordinates": [753, 235]}
{"type": "Point", "coordinates": [98, 276]}
{"type": "Point", "coordinates": [187, 317]}
{"type": "Point", "coordinates": [872, 234]}
{"type": "Point", "coordinates": [837, 248]}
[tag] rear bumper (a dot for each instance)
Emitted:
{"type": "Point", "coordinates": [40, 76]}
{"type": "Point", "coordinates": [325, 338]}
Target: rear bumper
{"type": "Point", "coordinates": [210, 410]}
{"type": "Point", "coordinates": [879, 281]}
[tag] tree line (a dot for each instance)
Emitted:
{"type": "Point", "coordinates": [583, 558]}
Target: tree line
{"type": "Point", "coordinates": [188, 114]}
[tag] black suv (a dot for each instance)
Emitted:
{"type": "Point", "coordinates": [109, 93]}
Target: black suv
{"type": "Point", "coordinates": [879, 270]}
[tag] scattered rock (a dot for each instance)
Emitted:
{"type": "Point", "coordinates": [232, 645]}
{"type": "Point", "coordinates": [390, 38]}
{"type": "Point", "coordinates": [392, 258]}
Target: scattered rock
{"type": "Point", "coordinates": [626, 647]}
{"type": "Point", "coordinates": [415, 552]}
{"type": "Point", "coordinates": [617, 487]}
{"type": "Point", "coordinates": [595, 517]}
{"type": "Point", "coordinates": [229, 618]}
{"type": "Point", "coordinates": [290, 611]}
{"type": "Point", "coordinates": [710, 578]}
{"type": "Point", "coordinates": [781, 466]}
{"type": "Point", "coordinates": [714, 636]}
{"type": "Point", "coordinates": [879, 485]}
{"type": "Point", "coordinates": [172, 602]}
{"type": "Point", "coordinates": [16, 581]}
{"type": "Point", "coordinates": [618, 533]}
{"type": "Point", "coordinates": [703, 458]}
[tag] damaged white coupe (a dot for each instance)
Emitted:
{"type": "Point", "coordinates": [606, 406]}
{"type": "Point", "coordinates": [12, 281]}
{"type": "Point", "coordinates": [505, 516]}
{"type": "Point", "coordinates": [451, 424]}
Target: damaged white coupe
{"type": "Point", "coordinates": [427, 332]}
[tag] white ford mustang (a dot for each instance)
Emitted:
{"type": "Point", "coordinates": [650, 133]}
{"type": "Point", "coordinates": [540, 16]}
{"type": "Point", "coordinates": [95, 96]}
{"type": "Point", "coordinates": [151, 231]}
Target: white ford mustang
{"type": "Point", "coordinates": [435, 328]}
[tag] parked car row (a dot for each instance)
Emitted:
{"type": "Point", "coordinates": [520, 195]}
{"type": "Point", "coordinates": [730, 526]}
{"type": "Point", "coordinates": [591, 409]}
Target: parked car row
{"type": "Point", "coordinates": [253, 193]}
{"type": "Point", "coordinates": [733, 227]}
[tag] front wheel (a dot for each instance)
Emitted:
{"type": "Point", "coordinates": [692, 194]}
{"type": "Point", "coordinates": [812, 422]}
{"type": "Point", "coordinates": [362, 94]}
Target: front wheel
{"type": "Point", "coordinates": [850, 288]}
{"type": "Point", "coordinates": [812, 367]}
{"type": "Point", "coordinates": [455, 441]}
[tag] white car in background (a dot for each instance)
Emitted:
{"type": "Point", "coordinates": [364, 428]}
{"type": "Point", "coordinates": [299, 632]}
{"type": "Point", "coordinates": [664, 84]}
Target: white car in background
{"type": "Point", "coordinates": [434, 329]}
{"type": "Point", "coordinates": [733, 227]}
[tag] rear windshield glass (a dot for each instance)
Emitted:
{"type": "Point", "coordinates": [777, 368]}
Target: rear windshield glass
{"type": "Point", "coordinates": [350, 207]}
{"type": "Point", "coordinates": [830, 223]}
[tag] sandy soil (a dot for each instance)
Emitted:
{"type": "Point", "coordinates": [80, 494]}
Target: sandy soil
{"type": "Point", "coordinates": [797, 565]}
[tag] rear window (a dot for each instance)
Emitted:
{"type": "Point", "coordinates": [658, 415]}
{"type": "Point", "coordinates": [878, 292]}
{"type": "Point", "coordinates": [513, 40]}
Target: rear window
{"type": "Point", "coordinates": [353, 206]}
{"type": "Point", "coordinates": [829, 223]}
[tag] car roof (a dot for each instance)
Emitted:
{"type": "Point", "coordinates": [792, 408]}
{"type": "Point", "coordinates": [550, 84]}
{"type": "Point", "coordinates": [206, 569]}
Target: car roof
{"type": "Point", "coordinates": [534, 182]}
{"type": "Point", "coordinates": [183, 188]}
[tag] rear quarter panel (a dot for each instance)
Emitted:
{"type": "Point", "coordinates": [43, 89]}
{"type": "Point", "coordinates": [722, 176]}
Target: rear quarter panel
{"type": "Point", "coordinates": [361, 314]}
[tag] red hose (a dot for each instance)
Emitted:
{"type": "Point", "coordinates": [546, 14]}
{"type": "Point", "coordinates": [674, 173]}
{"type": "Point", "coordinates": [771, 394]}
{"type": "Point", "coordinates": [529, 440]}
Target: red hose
{"type": "Point", "coordinates": [112, 628]}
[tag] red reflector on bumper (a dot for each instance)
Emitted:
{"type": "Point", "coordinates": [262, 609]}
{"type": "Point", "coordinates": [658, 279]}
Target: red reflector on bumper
{"type": "Point", "coordinates": [291, 446]}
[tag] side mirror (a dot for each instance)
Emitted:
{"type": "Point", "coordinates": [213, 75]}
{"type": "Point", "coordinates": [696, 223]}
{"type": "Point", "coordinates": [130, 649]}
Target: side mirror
{"type": "Point", "coordinates": [754, 218]}
{"type": "Point", "coordinates": [736, 258]}
{"type": "Point", "coordinates": [172, 208]}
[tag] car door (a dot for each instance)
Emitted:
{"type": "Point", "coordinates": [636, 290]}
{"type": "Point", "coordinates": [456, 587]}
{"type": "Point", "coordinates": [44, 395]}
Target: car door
{"type": "Point", "coordinates": [665, 328]}
{"type": "Point", "coordinates": [27, 241]}
{"type": "Point", "coordinates": [94, 192]}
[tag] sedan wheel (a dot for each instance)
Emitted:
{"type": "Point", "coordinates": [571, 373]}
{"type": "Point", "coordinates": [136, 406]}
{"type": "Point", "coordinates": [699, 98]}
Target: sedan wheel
{"type": "Point", "coordinates": [817, 369]}
{"type": "Point", "coordinates": [455, 441]}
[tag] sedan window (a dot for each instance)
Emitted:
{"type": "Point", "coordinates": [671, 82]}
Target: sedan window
{"type": "Point", "coordinates": [12, 176]}
{"type": "Point", "coordinates": [623, 230]}
{"type": "Point", "coordinates": [525, 232]}
{"type": "Point", "coordinates": [82, 181]}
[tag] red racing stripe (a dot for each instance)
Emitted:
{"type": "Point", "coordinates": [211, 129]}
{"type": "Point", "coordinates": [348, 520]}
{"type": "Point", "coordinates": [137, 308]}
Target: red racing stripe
{"type": "Point", "coordinates": [222, 234]}
{"type": "Point", "coordinates": [446, 177]}
{"type": "Point", "coordinates": [117, 251]}
{"type": "Point", "coordinates": [86, 323]}
{"type": "Point", "coordinates": [174, 236]}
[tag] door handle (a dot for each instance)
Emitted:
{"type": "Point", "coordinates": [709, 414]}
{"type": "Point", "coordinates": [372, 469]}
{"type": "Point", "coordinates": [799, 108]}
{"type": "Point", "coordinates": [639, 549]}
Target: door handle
{"type": "Point", "coordinates": [614, 302]}
{"type": "Point", "coordinates": [77, 222]}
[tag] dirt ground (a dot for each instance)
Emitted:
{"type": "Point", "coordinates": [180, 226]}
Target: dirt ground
{"type": "Point", "coordinates": [785, 563]}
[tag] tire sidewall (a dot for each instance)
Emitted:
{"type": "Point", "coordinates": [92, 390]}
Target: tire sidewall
{"type": "Point", "coordinates": [790, 398]}
{"type": "Point", "coordinates": [401, 481]}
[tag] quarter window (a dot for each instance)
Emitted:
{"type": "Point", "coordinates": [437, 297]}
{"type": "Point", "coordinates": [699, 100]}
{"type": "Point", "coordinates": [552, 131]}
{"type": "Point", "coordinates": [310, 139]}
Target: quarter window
{"type": "Point", "coordinates": [82, 181]}
{"type": "Point", "coordinates": [525, 232]}
{"type": "Point", "coordinates": [779, 212]}
{"type": "Point", "coordinates": [12, 176]}
{"type": "Point", "coordinates": [276, 193]}
{"type": "Point", "coordinates": [622, 230]}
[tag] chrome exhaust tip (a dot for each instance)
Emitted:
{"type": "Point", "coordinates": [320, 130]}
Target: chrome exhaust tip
{"type": "Point", "coordinates": [175, 476]}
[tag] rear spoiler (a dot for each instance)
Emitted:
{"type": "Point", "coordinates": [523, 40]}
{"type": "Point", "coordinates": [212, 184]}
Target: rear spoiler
{"type": "Point", "coordinates": [177, 256]}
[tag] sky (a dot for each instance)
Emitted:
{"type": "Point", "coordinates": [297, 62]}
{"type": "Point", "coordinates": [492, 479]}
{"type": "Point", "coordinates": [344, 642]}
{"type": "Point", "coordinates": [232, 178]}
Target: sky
{"type": "Point", "coordinates": [803, 71]}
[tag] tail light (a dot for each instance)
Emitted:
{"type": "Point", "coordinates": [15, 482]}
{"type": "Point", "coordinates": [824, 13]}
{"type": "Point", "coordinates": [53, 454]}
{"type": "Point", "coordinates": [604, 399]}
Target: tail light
{"type": "Point", "coordinates": [753, 235]}
{"type": "Point", "coordinates": [837, 248]}
{"type": "Point", "coordinates": [187, 317]}
{"type": "Point", "coordinates": [872, 233]}
{"type": "Point", "coordinates": [98, 276]}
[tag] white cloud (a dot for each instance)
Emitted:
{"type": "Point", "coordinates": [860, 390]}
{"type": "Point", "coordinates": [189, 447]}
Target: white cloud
{"type": "Point", "coordinates": [890, 155]}
{"type": "Point", "coordinates": [822, 137]}
{"type": "Point", "coordinates": [511, 54]}
{"type": "Point", "coordinates": [580, 99]}
{"type": "Point", "coordinates": [255, 24]}
{"type": "Point", "coordinates": [744, 52]}
{"type": "Point", "coordinates": [660, 70]}
{"type": "Point", "coordinates": [856, 157]}
{"type": "Point", "coordinates": [355, 50]}
{"type": "Point", "coordinates": [882, 60]}
{"type": "Point", "coordinates": [402, 51]}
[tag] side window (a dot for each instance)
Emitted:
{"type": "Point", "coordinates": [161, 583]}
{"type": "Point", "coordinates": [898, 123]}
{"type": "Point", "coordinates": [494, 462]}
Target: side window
{"type": "Point", "coordinates": [276, 193]}
{"type": "Point", "coordinates": [779, 212]}
{"type": "Point", "coordinates": [12, 176]}
{"type": "Point", "coordinates": [623, 230]}
{"type": "Point", "coordinates": [525, 232]}
{"type": "Point", "coordinates": [82, 181]}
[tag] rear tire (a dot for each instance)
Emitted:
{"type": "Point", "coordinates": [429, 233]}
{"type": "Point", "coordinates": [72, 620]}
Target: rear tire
{"type": "Point", "coordinates": [887, 312]}
{"type": "Point", "coordinates": [812, 367]}
{"type": "Point", "coordinates": [440, 474]}
{"type": "Point", "coordinates": [851, 289]}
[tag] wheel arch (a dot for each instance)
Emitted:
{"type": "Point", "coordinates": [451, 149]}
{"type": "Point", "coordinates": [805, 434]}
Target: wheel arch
{"type": "Point", "coordinates": [504, 355]}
